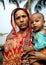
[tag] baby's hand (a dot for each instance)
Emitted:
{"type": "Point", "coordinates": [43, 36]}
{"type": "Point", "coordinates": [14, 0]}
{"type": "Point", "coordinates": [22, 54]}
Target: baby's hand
{"type": "Point", "coordinates": [26, 48]}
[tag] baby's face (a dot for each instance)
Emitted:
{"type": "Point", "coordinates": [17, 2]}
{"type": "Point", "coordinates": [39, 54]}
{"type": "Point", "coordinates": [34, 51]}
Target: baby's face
{"type": "Point", "coordinates": [37, 22]}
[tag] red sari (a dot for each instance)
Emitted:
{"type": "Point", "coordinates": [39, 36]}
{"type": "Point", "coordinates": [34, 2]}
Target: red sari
{"type": "Point", "coordinates": [13, 48]}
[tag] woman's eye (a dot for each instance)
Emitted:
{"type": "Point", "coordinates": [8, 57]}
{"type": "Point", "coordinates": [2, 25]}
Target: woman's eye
{"type": "Point", "coordinates": [17, 18]}
{"type": "Point", "coordinates": [23, 16]}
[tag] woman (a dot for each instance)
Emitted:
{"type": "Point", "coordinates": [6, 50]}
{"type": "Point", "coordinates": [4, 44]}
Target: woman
{"type": "Point", "coordinates": [13, 49]}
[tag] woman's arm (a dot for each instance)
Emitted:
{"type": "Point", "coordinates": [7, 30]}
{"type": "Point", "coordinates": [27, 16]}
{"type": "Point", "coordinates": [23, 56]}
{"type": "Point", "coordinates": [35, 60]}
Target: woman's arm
{"type": "Point", "coordinates": [39, 55]}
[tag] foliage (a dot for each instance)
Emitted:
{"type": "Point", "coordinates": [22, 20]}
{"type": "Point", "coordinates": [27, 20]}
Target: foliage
{"type": "Point", "coordinates": [40, 4]}
{"type": "Point", "coordinates": [3, 3]}
{"type": "Point", "coordinates": [14, 2]}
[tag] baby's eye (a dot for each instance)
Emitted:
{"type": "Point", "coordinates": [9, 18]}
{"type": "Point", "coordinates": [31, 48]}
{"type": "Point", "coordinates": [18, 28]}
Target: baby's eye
{"type": "Point", "coordinates": [37, 20]}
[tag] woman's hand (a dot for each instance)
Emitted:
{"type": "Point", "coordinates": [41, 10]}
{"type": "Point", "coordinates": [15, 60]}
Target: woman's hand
{"type": "Point", "coordinates": [39, 55]}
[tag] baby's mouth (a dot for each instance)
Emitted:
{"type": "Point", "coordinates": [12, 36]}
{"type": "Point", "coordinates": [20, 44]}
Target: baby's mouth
{"type": "Point", "coordinates": [35, 28]}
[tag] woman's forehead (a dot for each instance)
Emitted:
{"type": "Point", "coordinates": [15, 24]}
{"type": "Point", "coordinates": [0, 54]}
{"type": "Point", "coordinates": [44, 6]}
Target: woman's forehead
{"type": "Point", "coordinates": [20, 12]}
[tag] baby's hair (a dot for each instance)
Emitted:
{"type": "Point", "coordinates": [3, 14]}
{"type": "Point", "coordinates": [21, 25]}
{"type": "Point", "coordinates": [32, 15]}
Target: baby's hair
{"type": "Point", "coordinates": [38, 13]}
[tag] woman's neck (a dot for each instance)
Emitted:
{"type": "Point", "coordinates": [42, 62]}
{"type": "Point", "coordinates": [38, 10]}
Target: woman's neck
{"type": "Point", "coordinates": [23, 31]}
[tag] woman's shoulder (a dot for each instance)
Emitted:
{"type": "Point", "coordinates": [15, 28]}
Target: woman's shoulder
{"type": "Point", "coordinates": [9, 36]}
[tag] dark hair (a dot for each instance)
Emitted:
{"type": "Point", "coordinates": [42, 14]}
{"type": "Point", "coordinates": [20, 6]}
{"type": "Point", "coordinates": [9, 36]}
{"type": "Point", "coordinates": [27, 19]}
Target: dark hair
{"type": "Point", "coordinates": [15, 10]}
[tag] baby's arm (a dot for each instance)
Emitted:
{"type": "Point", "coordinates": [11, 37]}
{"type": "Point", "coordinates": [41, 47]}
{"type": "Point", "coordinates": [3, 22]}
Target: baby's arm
{"type": "Point", "coordinates": [27, 48]}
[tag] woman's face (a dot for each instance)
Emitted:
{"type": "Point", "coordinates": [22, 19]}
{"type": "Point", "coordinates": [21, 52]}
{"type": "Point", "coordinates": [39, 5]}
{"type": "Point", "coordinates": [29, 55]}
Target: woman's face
{"type": "Point", "coordinates": [21, 19]}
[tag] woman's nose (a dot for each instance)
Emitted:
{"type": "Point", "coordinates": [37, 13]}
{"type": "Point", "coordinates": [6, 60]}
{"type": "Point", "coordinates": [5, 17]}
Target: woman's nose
{"type": "Point", "coordinates": [21, 19]}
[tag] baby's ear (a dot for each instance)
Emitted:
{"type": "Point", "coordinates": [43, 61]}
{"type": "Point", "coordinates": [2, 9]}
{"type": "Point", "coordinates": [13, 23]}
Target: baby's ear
{"type": "Point", "coordinates": [44, 22]}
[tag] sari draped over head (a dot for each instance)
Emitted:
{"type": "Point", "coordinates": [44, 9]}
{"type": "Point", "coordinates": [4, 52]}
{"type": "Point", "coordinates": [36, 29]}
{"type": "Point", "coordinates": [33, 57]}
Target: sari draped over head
{"type": "Point", "coordinates": [13, 48]}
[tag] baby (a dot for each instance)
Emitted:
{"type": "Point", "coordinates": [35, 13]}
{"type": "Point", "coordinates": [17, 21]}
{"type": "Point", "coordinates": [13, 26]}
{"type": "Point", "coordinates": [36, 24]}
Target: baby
{"type": "Point", "coordinates": [39, 37]}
